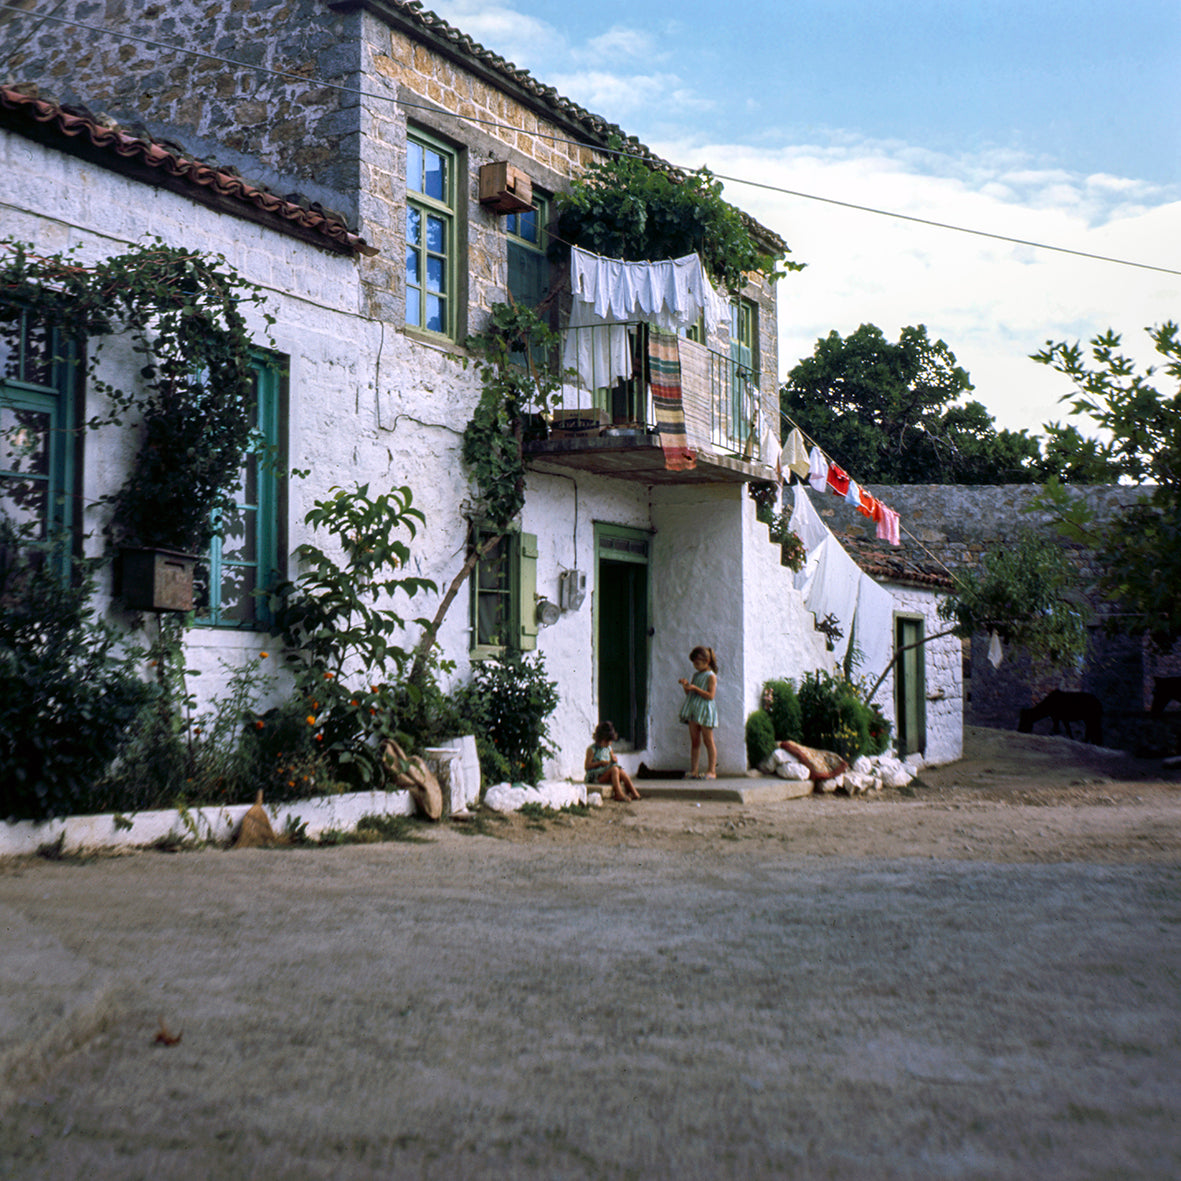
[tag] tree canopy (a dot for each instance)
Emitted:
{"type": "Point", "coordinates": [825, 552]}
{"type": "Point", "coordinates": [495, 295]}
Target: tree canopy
{"type": "Point", "coordinates": [891, 413]}
{"type": "Point", "coordinates": [1139, 550]}
{"type": "Point", "coordinates": [1025, 591]}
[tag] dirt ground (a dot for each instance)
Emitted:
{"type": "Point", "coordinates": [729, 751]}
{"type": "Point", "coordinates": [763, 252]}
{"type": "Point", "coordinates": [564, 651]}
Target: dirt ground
{"type": "Point", "coordinates": [977, 976]}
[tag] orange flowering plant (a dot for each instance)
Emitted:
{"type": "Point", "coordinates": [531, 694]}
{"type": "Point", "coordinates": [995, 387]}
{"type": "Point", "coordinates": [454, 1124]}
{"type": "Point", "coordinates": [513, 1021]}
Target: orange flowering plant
{"type": "Point", "coordinates": [342, 621]}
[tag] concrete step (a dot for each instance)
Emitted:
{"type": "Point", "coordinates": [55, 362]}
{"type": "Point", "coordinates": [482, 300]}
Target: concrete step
{"type": "Point", "coordinates": [739, 789]}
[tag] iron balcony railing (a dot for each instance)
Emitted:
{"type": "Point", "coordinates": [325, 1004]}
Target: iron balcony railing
{"type": "Point", "coordinates": [607, 388]}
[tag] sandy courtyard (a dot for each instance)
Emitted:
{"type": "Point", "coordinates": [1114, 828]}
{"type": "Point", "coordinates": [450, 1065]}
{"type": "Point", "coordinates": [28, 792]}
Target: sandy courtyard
{"type": "Point", "coordinates": [975, 977]}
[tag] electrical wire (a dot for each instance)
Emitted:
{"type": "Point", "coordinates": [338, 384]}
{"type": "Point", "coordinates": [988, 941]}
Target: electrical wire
{"type": "Point", "coordinates": [557, 139]}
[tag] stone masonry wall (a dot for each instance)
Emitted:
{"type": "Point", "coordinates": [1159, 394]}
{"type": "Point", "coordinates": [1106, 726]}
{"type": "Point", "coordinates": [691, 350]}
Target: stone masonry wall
{"type": "Point", "coordinates": [955, 525]}
{"type": "Point", "coordinates": [290, 133]}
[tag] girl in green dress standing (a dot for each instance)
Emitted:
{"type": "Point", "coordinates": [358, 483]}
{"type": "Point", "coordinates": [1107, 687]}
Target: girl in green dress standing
{"type": "Point", "coordinates": [700, 710]}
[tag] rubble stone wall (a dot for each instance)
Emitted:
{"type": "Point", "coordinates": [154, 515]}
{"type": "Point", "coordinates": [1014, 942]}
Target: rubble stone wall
{"type": "Point", "coordinates": [955, 524]}
{"type": "Point", "coordinates": [292, 133]}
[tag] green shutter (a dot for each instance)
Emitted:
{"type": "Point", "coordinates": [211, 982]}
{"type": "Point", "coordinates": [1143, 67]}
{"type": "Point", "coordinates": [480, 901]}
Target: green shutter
{"type": "Point", "coordinates": [527, 591]}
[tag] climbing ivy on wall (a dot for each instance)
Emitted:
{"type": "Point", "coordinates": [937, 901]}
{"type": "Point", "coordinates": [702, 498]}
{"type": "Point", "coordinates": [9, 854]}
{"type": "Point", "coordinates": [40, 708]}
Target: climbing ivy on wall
{"type": "Point", "coordinates": [182, 312]}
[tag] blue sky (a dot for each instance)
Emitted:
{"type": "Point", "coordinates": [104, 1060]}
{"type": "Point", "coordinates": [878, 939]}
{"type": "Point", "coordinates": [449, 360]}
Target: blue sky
{"type": "Point", "coordinates": [1037, 119]}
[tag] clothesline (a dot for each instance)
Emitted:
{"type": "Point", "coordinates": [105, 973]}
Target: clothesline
{"type": "Point", "coordinates": [821, 474]}
{"type": "Point", "coordinates": [910, 536]}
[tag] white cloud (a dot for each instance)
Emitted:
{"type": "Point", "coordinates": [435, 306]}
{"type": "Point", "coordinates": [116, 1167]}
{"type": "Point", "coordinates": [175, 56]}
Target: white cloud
{"type": "Point", "coordinates": [616, 96]}
{"type": "Point", "coordinates": [523, 40]}
{"type": "Point", "coordinates": [618, 42]}
{"type": "Point", "coordinates": [994, 302]}
{"type": "Point", "coordinates": [610, 75]}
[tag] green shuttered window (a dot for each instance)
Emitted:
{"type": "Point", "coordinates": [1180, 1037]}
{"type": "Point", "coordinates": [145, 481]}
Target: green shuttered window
{"type": "Point", "coordinates": [37, 441]}
{"type": "Point", "coordinates": [504, 596]}
{"type": "Point", "coordinates": [430, 234]}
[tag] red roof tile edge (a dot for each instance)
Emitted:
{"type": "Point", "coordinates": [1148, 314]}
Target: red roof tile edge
{"type": "Point", "coordinates": [191, 172]}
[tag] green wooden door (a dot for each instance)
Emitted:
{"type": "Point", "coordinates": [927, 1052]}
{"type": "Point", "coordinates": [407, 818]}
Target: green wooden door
{"type": "Point", "coordinates": [910, 687]}
{"type": "Point", "coordinates": [621, 631]}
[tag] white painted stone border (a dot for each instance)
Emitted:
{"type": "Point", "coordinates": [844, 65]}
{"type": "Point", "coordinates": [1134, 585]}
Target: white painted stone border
{"type": "Point", "coordinates": [512, 797]}
{"type": "Point", "coordinates": [319, 814]}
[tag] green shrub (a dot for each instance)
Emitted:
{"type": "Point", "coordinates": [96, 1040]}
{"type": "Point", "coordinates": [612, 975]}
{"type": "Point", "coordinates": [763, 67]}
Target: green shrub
{"type": "Point", "coordinates": [423, 714]}
{"type": "Point", "coordinates": [835, 718]}
{"type": "Point", "coordinates": [782, 705]}
{"type": "Point", "coordinates": [342, 631]}
{"type": "Point", "coordinates": [508, 704]}
{"type": "Point", "coordinates": [880, 730]}
{"type": "Point", "coordinates": [760, 738]}
{"type": "Point", "coordinates": [68, 701]}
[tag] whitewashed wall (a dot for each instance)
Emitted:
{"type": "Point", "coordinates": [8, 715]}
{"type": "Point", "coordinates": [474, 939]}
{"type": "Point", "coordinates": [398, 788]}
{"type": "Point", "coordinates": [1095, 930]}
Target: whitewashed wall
{"type": "Point", "coordinates": [780, 637]}
{"type": "Point", "coordinates": [944, 671]}
{"type": "Point", "coordinates": [369, 405]}
{"type": "Point", "coordinates": [719, 583]}
{"type": "Point", "coordinates": [563, 514]}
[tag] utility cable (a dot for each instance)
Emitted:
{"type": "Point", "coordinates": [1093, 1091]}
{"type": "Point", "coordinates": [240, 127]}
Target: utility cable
{"type": "Point", "coordinates": [557, 139]}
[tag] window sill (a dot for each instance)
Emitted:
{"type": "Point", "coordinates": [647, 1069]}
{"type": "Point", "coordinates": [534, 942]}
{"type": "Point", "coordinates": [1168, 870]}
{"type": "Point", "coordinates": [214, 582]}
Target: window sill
{"type": "Point", "coordinates": [443, 344]}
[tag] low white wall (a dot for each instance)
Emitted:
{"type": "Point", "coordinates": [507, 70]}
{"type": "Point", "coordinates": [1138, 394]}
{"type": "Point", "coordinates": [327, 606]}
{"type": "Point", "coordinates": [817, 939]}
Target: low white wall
{"type": "Point", "coordinates": [109, 831]}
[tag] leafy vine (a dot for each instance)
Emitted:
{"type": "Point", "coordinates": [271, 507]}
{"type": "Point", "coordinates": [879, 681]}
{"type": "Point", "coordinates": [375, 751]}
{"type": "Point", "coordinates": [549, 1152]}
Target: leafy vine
{"type": "Point", "coordinates": [183, 314]}
{"type": "Point", "coordinates": [628, 207]}
{"type": "Point", "coordinates": [512, 351]}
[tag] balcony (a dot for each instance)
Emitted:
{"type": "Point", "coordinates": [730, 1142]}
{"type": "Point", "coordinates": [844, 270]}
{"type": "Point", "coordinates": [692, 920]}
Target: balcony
{"type": "Point", "coordinates": [605, 423]}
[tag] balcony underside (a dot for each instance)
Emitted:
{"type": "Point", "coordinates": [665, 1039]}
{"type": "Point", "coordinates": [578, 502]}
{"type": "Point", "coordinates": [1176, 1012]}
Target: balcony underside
{"type": "Point", "coordinates": [638, 458]}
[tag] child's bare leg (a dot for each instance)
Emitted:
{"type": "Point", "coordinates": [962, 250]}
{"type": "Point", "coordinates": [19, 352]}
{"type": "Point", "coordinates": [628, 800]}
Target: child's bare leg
{"type": "Point", "coordinates": [711, 750]}
{"type": "Point", "coordinates": [616, 786]}
{"type": "Point", "coordinates": [694, 747]}
{"type": "Point", "coordinates": [628, 787]}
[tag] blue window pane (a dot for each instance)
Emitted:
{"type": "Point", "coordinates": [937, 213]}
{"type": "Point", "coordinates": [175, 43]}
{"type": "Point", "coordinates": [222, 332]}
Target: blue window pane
{"type": "Point", "coordinates": [436, 313]}
{"type": "Point", "coordinates": [413, 226]}
{"type": "Point", "coordinates": [527, 227]}
{"type": "Point", "coordinates": [436, 273]}
{"type": "Point", "coordinates": [414, 166]}
{"type": "Point", "coordinates": [436, 235]}
{"type": "Point", "coordinates": [413, 306]}
{"type": "Point", "coordinates": [11, 332]}
{"type": "Point", "coordinates": [412, 265]}
{"type": "Point", "coordinates": [434, 176]}
{"type": "Point", "coordinates": [24, 441]}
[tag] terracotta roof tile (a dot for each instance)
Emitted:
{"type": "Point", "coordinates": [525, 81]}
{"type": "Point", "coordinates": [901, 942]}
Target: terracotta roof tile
{"type": "Point", "coordinates": [212, 179]}
{"type": "Point", "coordinates": [884, 562]}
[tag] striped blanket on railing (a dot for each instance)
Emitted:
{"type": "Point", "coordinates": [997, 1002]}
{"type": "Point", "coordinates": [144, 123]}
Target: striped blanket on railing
{"type": "Point", "coordinates": [664, 375]}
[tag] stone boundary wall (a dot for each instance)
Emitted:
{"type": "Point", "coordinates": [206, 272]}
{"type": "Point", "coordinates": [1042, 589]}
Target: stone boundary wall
{"type": "Point", "coordinates": [956, 523]}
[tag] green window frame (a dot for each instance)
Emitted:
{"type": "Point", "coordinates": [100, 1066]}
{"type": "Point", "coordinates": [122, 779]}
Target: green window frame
{"type": "Point", "coordinates": [243, 558]}
{"type": "Point", "coordinates": [528, 266]}
{"type": "Point", "coordinates": [744, 364]}
{"type": "Point", "coordinates": [504, 595]}
{"type": "Point", "coordinates": [38, 412]}
{"type": "Point", "coordinates": [431, 248]}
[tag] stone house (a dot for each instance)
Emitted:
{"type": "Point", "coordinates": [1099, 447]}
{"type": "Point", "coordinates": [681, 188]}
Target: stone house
{"type": "Point", "coordinates": [399, 146]}
{"type": "Point", "coordinates": [921, 687]}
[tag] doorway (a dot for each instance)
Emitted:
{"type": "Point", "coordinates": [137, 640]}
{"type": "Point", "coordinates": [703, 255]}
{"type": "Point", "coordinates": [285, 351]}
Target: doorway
{"type": "Point", "coordinates": [621, 630]}
{"type": "Point", "coordinates": [910, 685]}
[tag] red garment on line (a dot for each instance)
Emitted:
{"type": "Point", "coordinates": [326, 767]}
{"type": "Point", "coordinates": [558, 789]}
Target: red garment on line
{"type": "Point", "coordinates": [838, 480]}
